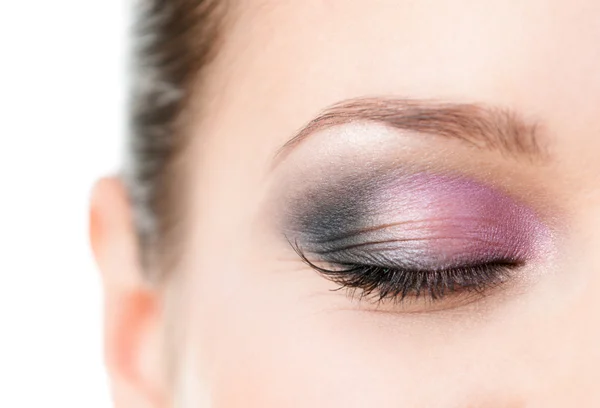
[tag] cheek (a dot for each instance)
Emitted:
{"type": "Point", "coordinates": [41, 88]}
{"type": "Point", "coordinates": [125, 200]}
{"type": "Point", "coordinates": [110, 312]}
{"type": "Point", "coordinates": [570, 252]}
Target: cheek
{"type": "Point", "coordinates": [279, 338]}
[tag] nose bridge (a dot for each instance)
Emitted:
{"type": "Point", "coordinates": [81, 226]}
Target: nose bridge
{"type": "Point", "coordinates": [573, 381]}
{"type": "Point", "coordinates": [576, 361]}
{"type": "Point", "coordinates": [573, 326]}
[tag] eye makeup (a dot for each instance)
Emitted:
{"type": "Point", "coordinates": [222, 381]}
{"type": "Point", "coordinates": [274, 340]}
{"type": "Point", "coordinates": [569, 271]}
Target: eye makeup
{"type": "Point", "coordinates": [433, 233]}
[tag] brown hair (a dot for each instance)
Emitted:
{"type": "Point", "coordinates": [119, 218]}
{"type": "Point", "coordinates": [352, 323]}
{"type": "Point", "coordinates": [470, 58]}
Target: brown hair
{"type": "Point", "coordinates": [174, 40]}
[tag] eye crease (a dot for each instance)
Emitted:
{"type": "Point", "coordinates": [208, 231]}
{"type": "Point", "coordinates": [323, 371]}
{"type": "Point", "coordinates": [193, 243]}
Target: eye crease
{"type": "Point", "coordinates": [423, 235]}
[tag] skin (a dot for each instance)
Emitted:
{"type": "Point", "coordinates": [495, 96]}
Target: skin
{"type": "Point", "coordinates": [243, 322]}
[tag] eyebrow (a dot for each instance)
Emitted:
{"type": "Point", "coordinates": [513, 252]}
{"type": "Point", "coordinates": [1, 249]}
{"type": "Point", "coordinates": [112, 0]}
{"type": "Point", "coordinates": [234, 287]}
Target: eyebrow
{"type": "Point", "coordinates": [482, 126]}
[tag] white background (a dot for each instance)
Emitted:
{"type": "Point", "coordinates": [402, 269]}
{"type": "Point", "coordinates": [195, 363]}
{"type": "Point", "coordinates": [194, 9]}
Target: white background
{"type": "Point", "coordinates": [61, 126]}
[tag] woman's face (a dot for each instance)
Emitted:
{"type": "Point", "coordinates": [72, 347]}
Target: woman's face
{"type": "Point", "coordinates": [447, 210]}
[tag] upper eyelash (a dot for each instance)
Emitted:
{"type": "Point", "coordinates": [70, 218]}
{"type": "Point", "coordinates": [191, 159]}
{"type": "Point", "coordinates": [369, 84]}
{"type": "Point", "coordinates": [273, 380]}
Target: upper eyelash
{"type": "Point", "coordinates": [394, 283]}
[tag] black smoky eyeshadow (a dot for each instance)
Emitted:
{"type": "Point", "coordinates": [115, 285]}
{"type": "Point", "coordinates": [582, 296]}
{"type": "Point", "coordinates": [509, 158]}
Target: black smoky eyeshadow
{"type": "Point", "coordinates": [337, 225]}
{"type": "Point", "coordinates": [325, 216]}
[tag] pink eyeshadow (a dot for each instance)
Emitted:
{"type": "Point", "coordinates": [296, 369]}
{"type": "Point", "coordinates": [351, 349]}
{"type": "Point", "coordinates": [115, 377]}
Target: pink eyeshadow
{"type": "Point", "coordinates": [452, 217]}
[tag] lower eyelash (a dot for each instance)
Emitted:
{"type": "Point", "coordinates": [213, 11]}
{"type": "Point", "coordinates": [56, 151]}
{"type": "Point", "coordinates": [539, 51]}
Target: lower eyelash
{"type": "Point", "coordinates": [393, 283]}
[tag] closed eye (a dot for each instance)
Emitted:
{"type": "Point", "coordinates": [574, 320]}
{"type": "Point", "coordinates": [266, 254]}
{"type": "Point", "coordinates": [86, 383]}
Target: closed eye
{"type": "Point", "coordinates": [406, 237]}
{"type": "Point", "coordinates": [380, 282]}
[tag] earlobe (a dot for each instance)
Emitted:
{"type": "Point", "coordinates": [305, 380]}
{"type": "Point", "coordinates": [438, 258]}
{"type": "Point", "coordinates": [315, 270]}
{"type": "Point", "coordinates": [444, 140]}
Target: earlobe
{"type": "Point", "coordinates": [133, 312]}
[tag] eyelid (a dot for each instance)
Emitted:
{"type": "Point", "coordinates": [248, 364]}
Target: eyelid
{"type": "Point", "coordinates": [425, 248]}
{"type": "Point", "coordinates": [397, 285]}
{"type": "Point", "coordinates": [443, 230]}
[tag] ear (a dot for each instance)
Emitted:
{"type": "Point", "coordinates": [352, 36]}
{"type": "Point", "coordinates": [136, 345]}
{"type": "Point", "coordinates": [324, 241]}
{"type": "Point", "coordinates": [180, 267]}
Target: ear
{"type": "Point", "coordinates": [133, 312]}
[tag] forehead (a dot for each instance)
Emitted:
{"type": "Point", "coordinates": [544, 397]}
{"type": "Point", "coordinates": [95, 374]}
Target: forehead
{"type": "Point", "coordinates": [450, 45]}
